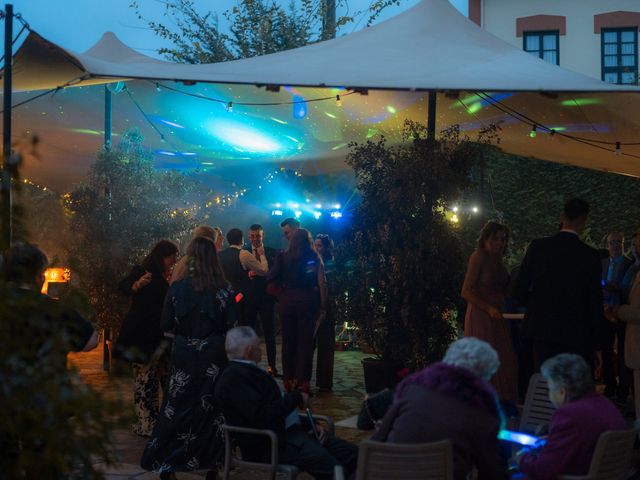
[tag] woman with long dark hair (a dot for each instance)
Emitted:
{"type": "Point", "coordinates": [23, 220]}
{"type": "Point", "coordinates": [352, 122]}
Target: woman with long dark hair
{"type": "Point", "coordinates": [140, 335]}
{"type": "Point", "coordinates": [198, 311]}
{"type": "Point", "coordinates": [484, 289]}
{"type": "Point", "coordinates": [302, 306]}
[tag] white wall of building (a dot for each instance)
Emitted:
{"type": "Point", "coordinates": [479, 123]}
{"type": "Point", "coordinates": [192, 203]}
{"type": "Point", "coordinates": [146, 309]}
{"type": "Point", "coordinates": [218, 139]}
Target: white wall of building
{"type": "Point", "coordinates": [580, 48]}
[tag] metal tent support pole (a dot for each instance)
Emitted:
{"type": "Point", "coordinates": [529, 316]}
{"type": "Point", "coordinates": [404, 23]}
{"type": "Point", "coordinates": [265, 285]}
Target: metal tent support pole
{"type": "Point", "coordinates": [5, 188]}
{"type": "Point", "coordinates": [106, 337]}
{"type": "Point", "coordinates": [431, 119]}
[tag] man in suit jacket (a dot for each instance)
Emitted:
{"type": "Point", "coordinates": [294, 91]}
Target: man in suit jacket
{"type": "Point", "coordinates": [258, 301]}
{"type": "Point", "coordinates": [614, 268]}
{"type": "Point", "coordinates": [236, 264]}
{"type": "Point", "coordinates": [559, 283]}
{"type": "Point", "coordinates": [251, 398]}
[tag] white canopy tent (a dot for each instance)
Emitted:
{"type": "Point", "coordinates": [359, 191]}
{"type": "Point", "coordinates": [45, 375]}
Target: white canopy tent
{"type": "Point", "coordinates": [430, 47]}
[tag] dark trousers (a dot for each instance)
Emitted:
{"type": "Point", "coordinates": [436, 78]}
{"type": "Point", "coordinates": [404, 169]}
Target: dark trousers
{"type": "Point", "coordinates": [611, 364]}
{"type": "Point", "coordinates": [545, 350]}
{"type": "Point", "coordinates": [264, 308]}
{"type": "Point", "coordinates": [325, 343]}
{"type": "Point", "coordinates": [298, 320]}
{"type": "Point", "coordinates": [305, 452]}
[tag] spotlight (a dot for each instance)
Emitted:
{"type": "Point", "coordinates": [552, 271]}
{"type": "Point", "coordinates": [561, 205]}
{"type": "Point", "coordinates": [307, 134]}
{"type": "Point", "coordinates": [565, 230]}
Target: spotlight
{"type": "Point", "coordinates": [455, 209]}
{"type": "Point", "coordinates": [337, 205]}
{"type": "Point", "coordinates": [297, 213]}
{"type": "Point", "coordinates": [336, 214]}
{"type": "Point", "coordinates": [317, 214]}
{"type": "Point", "coordinates": [318, 205]}
{"type": "Point", "coordinates": [474, 209]}
{"type": "Point", "coordinates": [276, 213]}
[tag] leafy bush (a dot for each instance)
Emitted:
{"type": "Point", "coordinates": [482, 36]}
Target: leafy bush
{"type": "Point", "coordinates": [401, 273]}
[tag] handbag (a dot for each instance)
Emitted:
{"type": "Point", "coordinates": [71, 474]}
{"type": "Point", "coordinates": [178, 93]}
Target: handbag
{"type": "Point", "coordinates": [373, 409]}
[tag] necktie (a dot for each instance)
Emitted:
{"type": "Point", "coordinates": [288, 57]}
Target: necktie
{"type": "Point", "coordinates": [256, 253]}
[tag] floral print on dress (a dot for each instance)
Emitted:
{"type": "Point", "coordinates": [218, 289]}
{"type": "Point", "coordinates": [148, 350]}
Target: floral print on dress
{"type": "Point", "coordinates": [178, 382]}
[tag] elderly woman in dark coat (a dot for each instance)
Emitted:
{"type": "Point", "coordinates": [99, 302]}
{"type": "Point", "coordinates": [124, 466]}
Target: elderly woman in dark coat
{"type": "Point", "coordinates": [198, 311]}
{"type": "Point", "coordinates": [452, 400]}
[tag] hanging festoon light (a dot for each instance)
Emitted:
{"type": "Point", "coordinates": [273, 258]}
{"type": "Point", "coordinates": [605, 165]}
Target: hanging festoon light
{"type": "Point", "coordinates": [338, 101]}
{"type": "Point", "coordinates": [534, 131]}
{"type": "Point", "coordinates": [230, 107]}
{"type": "Point", "coordinates": [618, 150]}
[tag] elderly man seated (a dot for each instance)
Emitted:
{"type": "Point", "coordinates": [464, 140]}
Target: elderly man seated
{"type": "Point", "coordinates": [250, 397]}
{"type": "Point", "coordinates": [575, 427]}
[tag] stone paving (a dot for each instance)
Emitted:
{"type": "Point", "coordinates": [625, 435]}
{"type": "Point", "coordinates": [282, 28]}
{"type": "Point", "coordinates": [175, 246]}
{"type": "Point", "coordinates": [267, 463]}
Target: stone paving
{"type": "Point", "coordinates": [343, 402]}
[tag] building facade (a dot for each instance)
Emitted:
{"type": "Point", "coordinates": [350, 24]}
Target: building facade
{"type": "Point", "coordinates": [598, 38]}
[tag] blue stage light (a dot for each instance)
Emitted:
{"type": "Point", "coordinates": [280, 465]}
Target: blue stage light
{"type": "Point", "coordinates": [317, 214]}
{"type": "Point", "coordinates": [276, 213]}
{"type": "Point", "coordinates": [297, 213]}
{"type": "Point", "coordinates": [336, 214]}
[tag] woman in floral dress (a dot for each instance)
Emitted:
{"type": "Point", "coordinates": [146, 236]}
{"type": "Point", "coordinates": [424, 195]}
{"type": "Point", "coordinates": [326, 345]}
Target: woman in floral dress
{"type": "Point", "coordinates": [198, 310]}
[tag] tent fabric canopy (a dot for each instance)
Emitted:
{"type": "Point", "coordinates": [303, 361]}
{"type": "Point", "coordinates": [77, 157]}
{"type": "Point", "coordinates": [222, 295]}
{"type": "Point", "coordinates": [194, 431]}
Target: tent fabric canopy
{"type": "Point", "coordinates": [431, 46]}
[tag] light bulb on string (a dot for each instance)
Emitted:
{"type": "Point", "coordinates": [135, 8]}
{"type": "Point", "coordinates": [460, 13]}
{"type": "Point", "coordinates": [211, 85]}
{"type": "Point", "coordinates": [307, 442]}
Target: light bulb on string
{"type": "Point", "coordinates": [618, 149]}
{"type": "Point", "coordinates": [158, 89]}
{"type": "Point", "coordinates": [534, 131]}
{"type": "Point", "coordinates": [230, 107]}
{"type": "Point", "coordinates": [552, 132]}
{"type": "Point", "coordinates": [338, 101]}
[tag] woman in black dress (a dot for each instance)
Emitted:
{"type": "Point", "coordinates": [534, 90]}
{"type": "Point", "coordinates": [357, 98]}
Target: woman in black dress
{"type": "Point", "coordinates": [140, 335]}
{"type": "Point", "coordinates": [198, 311]}
{"type": "Point", "coordinates": [302, 306]}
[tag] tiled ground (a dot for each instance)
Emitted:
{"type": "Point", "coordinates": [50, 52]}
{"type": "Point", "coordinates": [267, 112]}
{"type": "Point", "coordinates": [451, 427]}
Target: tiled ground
{"type": "Point", "coordinates": [344, 401]}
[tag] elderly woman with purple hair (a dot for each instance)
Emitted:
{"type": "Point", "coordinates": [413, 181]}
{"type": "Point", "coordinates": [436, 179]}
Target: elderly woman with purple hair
{"type": "Point", "coordinates": [452, 400]}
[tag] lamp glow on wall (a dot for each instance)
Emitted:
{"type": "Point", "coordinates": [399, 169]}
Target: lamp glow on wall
{"type": "Point", "coordinates": [55, 276]}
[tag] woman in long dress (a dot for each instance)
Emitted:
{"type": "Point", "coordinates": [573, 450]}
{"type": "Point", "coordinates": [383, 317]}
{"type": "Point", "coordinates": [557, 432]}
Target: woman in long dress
{"type": "Point", "coordinates": [198, 310]}
{"type": "Point", "coordinates": [484, 289]}
{"type": "Point", "coordinates": [302, 305]}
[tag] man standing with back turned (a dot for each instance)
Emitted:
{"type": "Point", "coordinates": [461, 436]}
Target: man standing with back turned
{"type": "Point", "coordinates": [559, 284]}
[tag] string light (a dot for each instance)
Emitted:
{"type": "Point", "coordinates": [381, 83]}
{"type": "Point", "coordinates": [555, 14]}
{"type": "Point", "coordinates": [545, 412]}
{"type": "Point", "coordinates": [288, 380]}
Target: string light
{"type": "Point", "coordinates": [618, 149]}
{"type": "Point", "coordinates": [230, 107]}
{"type": "Point", "coordinates": [338, 101]}
{"type": "Point", "coordinates": [534, 131]}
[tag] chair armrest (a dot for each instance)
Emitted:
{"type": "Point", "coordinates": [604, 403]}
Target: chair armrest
{"type": "Point", "coordinates": [328, 420]}
{"type": "Point", "coordinates": [254, 431]}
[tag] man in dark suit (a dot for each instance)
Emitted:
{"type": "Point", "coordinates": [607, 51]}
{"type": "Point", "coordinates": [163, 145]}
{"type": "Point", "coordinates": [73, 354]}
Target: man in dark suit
{"type": "Point", "coordinates": [236, 264]}
{"type": "Point", "coordinates": [258, 301]}
{"type": "Point", "coordinates": [251, 398]}
{"type": "Point", "coordinates": [614, 268]}
{"type": "Point", "coordinates": [560, 285]}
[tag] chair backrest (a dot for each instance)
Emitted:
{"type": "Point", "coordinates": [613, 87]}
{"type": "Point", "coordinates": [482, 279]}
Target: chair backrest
{"type": "Point", "coordinates": [538, 409]}
{"type": "Point", "coordinates": [612, 457]}
{"type": "Point", "coordinates": [420, 461]}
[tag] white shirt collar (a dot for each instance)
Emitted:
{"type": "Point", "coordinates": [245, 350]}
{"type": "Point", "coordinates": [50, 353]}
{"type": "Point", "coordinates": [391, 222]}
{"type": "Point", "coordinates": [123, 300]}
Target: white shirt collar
{"type": "Point", "coordinates": [566, 230]}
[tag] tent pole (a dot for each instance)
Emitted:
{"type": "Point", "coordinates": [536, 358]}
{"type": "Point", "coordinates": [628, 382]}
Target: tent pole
{"type": "Point", "coordinates": [106, 333]}
{"type": "Point", "coordinates": [6, 130]}
{"type": "Point", "coordinates": [107, 118]}
{"type": "Point", "coordinates": [431, 119]}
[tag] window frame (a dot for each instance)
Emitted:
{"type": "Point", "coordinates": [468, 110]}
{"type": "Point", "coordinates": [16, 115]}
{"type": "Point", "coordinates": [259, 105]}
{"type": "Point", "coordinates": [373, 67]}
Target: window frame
{"type": "Point", "coordinates": [541, 34]}
{"type": "Point", "coordinates": [620, 69]}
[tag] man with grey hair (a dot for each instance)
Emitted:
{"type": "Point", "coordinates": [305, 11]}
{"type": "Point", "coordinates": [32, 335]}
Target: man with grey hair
{"type": "Point", "coordinates": [250, 397]}
{"type": "Point", "coordinates": [581, 417]}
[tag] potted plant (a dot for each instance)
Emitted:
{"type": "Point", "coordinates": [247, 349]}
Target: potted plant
{"type": "Point", "coordinates": [401, 271]}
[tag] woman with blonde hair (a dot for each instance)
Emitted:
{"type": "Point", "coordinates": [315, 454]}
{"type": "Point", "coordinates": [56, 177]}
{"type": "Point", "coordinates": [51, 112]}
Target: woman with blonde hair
{"type": "Point", "coordinates": [484, 289]}
{"type": "Point", "coordinates": [198, 310]}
